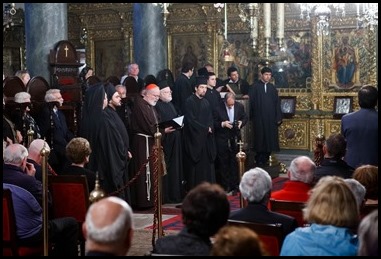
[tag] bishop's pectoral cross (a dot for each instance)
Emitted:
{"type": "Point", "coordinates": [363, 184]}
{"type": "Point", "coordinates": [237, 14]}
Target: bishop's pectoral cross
{"type": "Point", "coordinates": [66, 49]}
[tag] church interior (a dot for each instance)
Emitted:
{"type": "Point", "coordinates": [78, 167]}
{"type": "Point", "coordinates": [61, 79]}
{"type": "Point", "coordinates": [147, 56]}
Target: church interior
{"type": "Point", "coordinates": [320, 54]}
{"type": "Point", "coordinates": [300, 50]}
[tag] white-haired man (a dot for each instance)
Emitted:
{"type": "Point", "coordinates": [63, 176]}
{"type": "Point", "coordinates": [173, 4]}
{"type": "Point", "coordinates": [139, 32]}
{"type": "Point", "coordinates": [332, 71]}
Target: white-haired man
{"type": "Point", "coordinates": [108, 227]}
{"type": "Point", "coordinates": [255, 188]}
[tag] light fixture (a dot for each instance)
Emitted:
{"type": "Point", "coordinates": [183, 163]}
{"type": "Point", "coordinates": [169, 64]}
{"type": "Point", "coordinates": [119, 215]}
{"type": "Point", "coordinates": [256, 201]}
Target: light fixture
{"type": "Point", "coordinates": [164, 11]}
{"type": "Point", "coordinates": [367, 15]}
{"type": "Point", "coordinates": [323, 12]}
{"type": "Point", "coordinates": [8, 13]}
{"type": "Point", "coordinates": [226, 45]}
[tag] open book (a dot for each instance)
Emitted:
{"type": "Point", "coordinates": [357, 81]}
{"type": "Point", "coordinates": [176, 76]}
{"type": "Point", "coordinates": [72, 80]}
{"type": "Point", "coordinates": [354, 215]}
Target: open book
{"type": "Point", "coordinates": [176, 123]}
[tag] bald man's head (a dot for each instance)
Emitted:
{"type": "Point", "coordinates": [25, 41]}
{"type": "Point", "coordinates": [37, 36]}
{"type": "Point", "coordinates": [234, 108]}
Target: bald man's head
{"type": "Point", "coordinates": [108, 226]}
{"type": "Point", "coordinates": [107, 219]}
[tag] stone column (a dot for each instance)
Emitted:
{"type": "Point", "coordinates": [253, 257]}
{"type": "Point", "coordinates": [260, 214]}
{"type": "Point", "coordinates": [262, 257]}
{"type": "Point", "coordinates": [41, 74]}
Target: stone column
{"type": "Point", "coordinates": [45, 25]}
{"type": "Point", "coordinates": [150, 38]}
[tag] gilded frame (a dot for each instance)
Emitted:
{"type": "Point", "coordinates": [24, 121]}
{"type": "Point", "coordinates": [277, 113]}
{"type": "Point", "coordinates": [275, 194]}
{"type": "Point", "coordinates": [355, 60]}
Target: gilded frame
{"type": "Point", "coordinates": [288, 106]}
{"type": "Point", "coordinates": [108, 58]}
{"type": "Point", "coordinates": [348, 59]}
{"type": "Point", "coordinates": [190, 47]}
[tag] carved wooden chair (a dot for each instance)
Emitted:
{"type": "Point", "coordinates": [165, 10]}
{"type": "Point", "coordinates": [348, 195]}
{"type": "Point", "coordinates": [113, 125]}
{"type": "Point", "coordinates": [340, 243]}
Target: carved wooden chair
{"type": "Point", "coordinates": [271, 235]}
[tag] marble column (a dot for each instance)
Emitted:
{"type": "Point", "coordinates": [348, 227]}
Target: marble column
{"type": "Point", "coordinates": [45, 25]}
{"type": "Point", "coordinates": [150, 39]}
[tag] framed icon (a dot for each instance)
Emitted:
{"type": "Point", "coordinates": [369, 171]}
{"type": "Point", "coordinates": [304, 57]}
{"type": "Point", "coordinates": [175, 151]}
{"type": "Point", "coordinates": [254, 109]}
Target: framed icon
{"type": "Point", "coordinates": [342, 105]}
{"type": "Point", "coordinates": [287, 105]}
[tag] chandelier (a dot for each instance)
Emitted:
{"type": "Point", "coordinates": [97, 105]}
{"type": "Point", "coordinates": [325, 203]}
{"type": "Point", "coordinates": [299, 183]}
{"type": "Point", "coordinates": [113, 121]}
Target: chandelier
{"type": "Point", "coordinates": [164, 11]}
{"type": "Point", "coordinates": [323, 12]}
{"type": "Point", "coordinates": [367, 15]}
{"type": "Point", "coordinates": [8, 13]}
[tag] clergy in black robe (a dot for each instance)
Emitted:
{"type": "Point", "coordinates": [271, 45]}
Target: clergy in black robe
{"type": "Point", "coordinates": [143, 125]}
{"type": "Point", "coordinates": [113, 153]}
{"type": "Point", "coordinates": [92, 116]}
{"type": "Point", "coordinates": [266, 116]}
{"type": "Point", "coordinates": [199, 143]}
{"type": "Point", "coordinates": [172, 146]}
{"type": "Point", "coordinates": [183, 87]}
{"type": "Point", "coordinates": [212, 95]}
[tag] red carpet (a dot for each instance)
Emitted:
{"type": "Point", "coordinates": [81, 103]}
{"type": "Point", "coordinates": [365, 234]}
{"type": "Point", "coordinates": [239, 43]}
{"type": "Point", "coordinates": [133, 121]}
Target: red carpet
{"type": "Point", "coordinates": [175, 223]}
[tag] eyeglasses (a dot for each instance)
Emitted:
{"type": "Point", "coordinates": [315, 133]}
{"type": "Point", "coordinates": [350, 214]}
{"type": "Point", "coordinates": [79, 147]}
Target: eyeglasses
{"type": "Point", "coordinates": [166, 92]}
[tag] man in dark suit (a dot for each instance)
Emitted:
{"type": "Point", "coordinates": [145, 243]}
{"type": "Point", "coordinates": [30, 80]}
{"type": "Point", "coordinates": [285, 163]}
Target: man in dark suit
{"type": "Point", "coordinates": [229, 117]}
{"type": "Point", "coordinates": [360, 129]}
{"type": "Point", "coordinates": [255, 187]}
{"type": "Point", "coordinates": [53, 127]}
{"type": "Point", "coordinates": [333, 163]}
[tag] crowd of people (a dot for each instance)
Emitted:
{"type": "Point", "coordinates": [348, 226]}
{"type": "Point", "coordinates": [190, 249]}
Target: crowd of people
{"type": "Point", "coordinates": [116, 138]}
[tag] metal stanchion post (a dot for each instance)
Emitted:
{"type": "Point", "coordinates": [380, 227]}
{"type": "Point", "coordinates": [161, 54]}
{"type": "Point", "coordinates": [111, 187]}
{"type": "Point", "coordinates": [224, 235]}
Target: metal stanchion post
{"type": "Point", "coordinates": [30, 134]}
{"type": "Point", "coordinates": [159, 182]}
{"type": "Point", "coordinates": [98, 193]}
{"type": "Point", "coordinates": [241, 158]}
{"type": "Point", "coordinates": [45, 154]}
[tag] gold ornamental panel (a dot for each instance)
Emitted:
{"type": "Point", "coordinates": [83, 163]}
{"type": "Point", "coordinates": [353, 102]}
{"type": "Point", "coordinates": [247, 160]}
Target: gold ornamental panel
{"type": "Point", "coordinates": [331, 127]}
{"type": "Point", "coordinates": [293, 134]}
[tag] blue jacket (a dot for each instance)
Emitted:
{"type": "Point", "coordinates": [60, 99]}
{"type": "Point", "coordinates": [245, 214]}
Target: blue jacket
{"type": "Point", "coordinates": [320, 240]}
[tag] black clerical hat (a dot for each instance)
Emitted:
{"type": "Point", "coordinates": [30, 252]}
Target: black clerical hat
{"type": "Point", "coordinates": [202, 72]}
{"type": "Point", "coordinates": [110, 90]}
{"type": "Point", "coordinates": [163, 84]}
{"type": "Point", "coordinates": [201, 80]}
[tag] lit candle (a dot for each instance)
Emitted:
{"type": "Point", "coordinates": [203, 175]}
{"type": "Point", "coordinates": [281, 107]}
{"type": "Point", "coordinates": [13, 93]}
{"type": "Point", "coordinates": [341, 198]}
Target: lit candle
{"type": "Point", "coordinates": [267, 16]}
{"type": "Point", "coordinates": [280, 21]}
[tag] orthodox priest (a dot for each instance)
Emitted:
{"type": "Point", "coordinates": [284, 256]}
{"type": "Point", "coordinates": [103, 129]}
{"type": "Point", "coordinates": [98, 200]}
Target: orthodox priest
{"type": "Point", "coordinates": [114, 147]}
{"type": "Point", "coordinates": [199, 143]}
{"type": "Point", "coordinates": [172, 146]}
{"type": "Point", "coordinates": [266, 116]}
{"type": "Point", "coordinates": [144, 121]}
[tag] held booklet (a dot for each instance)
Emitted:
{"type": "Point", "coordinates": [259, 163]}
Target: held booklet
{"type": "Point", "coordinates": [176, 123]}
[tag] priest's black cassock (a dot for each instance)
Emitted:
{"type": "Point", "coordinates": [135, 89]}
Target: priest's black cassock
{"type": "Point", "coordinates": [113, 154]}
{"type": "Point", "coordinates": [199, 144]}
{"type": "Point", "coordinates": [173, 151]}
{"type": "Point", "coordinates": [265, 115]}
